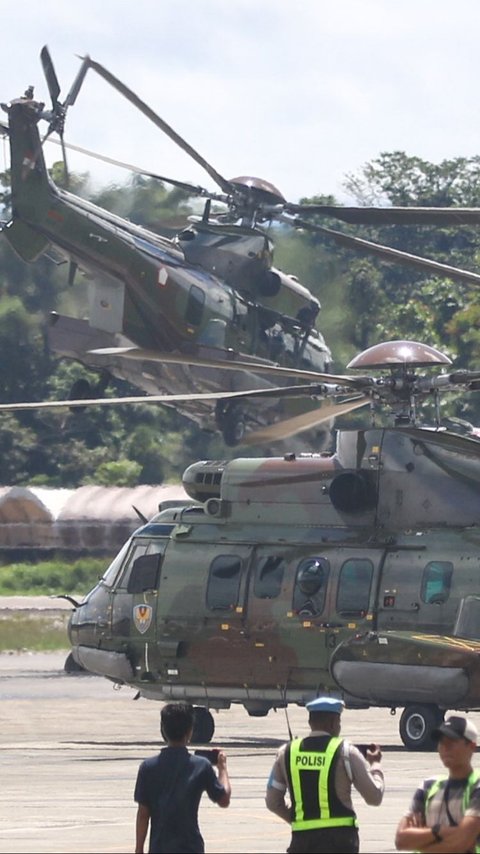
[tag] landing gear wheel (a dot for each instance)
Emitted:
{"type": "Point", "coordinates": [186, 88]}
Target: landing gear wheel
{"type": "Point", "coordinates": [71, 666]}
{"type": "Point", "coordinates": [203, 726]}
{"type": "Point", "coordinates": [417, 724]}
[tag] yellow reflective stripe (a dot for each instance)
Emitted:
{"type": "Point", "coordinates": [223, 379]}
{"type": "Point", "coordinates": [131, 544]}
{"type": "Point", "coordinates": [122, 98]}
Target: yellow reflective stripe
{"type": "Point", "coordinates": [297, 793]}
{"type": "Point", "coordinates": [323, 778]}
{"type": "Point", "coordinates": [319, 823]}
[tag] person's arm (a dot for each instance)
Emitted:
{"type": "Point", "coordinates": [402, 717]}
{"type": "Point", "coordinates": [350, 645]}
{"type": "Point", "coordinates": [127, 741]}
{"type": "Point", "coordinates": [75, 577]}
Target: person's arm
{"type": "Point", "coordinates": [276, 791]}
{"type": "Point", "coordinates": [224, 779]}
{"type": "Point", "coordinates": [141, 827]}
{"type": "Point", "coordinates": [411, 837]}
{"type": "Point", "coordinates": [367, 775]}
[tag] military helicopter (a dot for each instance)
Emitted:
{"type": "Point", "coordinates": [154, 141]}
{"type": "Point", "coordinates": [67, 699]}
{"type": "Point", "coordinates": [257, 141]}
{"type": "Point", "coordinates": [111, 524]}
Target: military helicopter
{"type": "Point", "coordinates": [353, 572]}
{"type": "Point", "coordinates": [204, 312]}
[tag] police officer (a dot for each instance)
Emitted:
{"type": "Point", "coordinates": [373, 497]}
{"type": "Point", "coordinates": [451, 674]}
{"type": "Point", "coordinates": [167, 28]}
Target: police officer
{"type": "Point", "coordinates": [318, 773]}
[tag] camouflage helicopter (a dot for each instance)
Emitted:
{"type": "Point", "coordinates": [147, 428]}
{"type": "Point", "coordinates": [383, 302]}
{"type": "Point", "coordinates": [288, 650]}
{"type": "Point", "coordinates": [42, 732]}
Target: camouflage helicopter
{"type": "Point", "coordinates": [353, 572]}
{"type": "Point", "coordinates": [205, 311]}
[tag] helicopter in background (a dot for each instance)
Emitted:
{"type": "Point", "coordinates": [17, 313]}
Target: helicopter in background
{"type": "Point", "coordinates": [189, 318]}
{"type": "Point", "coordinates": [353, 572]}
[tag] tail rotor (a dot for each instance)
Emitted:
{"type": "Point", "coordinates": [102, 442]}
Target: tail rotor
{"type": "Point", "coordinates": [58, 112]}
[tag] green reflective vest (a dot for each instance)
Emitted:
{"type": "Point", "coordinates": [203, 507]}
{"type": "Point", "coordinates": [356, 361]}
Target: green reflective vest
{"type": "Point", "coordinates": [437, 784]}
{"type": "Point", "coordinates": [311, 776]}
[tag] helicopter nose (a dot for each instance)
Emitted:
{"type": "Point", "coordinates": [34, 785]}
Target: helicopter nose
{"type": "Point", "coordinates": [92, 647]}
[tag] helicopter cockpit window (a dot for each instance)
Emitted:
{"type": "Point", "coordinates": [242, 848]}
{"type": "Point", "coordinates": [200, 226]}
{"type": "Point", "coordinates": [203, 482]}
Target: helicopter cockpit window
{"type": "Point", "coordinates": [145, 574]}
{"type": "Point", "coordinates": [111, 573]}
{"type": "Point", "coordinates": [195, 304]}
{"type": "Point", "coordinates": [140, 548]}
{"type": "Point", "coordinates": [353, 595]}
{"type": "Point", "coordinates": [269, 572]}
{"type": "Point", "coordinates": [224, 583]}
{"type": "Point", "coordinates": [310, 586]}
{"type": "Point", "coordinates": [436, 582]}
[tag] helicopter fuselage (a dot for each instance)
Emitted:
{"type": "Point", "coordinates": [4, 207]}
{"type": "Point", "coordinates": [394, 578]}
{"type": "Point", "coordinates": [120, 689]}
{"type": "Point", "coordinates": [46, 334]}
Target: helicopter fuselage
{"type": "Point", "coordinates": [354, 573]}
{"type": "Point", "coordinates": [157, 293]}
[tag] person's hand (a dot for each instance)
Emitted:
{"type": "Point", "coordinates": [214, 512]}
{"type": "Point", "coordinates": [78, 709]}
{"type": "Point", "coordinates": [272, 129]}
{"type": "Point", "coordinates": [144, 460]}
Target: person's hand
{"type": "Point", "coordinates": [222, 760]}
{"type": "Point", "coordinates": [373, 754]}
{"type": "Point", "coordinates": [416, 820]}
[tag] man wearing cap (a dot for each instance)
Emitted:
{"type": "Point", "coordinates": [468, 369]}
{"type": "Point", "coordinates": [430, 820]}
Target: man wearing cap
{"type": "Point", "coordinates": [318, 772]}
{"type": "Point", "coordinates": [445, 811]}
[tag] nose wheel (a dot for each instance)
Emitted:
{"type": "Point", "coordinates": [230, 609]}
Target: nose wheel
{"type": "Point", "coordinates": [417, 724]}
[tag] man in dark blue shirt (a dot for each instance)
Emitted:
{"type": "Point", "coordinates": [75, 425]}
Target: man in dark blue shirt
{"type": "Point", "coordinates": [170, 785]}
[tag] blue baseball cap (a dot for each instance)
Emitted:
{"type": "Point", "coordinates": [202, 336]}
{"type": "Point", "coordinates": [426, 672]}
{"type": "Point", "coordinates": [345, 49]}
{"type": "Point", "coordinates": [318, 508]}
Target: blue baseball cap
{"type": "Point", "coordinates": [326, 704]}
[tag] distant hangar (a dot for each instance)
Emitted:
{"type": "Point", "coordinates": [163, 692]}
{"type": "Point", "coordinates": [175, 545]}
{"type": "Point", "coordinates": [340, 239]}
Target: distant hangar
{"type": "Point", "coordinates": [87, 520]}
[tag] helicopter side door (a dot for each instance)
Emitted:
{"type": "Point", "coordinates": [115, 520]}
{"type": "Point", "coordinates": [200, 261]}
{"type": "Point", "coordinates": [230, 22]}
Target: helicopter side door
{"type": "Point", "coordinates": [201, 636]}
{"type": "Point", "coordinates": [134, 601]}
{"type": "Point", "coordinates": [416, 591]}
{"type": "Point", "coordinates": [333, 595]}
{"type": "Point", "coordinates": [266, 631]}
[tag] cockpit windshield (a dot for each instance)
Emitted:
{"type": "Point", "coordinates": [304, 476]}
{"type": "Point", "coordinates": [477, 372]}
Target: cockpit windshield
{"type": "Point", "coordinates": [111, 573]}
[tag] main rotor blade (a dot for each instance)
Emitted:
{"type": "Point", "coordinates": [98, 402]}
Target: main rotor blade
{"type": "Point", "coordinates": [160, 123]}
{"type": "Point", "coordinates": [280, 391]}
{"type": "Point", "coordinates": [51, 77]}
{"type": "Point", "coordinates": [136, 353]}
{"type": "Point", "coordinates": [387, 253]}
{"type": "Point", "coordinates": [393, 215]}
{"type": "Point", "coordinates": [195, 190]}
{"type": "Point", "coordinates": [283, 429]}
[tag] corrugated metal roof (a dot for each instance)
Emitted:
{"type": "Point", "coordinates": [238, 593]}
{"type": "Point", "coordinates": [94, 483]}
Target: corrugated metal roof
{"type": "Point", "coordinates": [92, 503]}
{"type": "Point", "coordinates": [90, 518]}
{"type": "Point", "coordinates": [116, 503]}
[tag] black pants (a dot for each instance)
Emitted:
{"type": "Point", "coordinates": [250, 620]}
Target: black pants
{"type": "Point", "coordinates": [331, 840]}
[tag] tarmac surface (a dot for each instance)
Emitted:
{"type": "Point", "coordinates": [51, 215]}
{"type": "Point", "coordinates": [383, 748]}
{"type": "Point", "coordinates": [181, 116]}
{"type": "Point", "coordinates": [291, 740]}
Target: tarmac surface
{"type": "Point", "coordinates": [70, 746]}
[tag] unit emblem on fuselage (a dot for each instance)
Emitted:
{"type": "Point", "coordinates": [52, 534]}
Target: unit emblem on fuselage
{"type": "Point", "coordinates": [142, 617]}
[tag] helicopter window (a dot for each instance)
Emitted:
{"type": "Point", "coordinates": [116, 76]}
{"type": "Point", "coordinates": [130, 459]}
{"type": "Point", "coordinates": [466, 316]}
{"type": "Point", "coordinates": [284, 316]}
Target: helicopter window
{"type": "Point", "coordinates": [158, 529]}
{"type": "Point", "coordinates": [145, 573]}
{"type": "Point", "coordinates": [139, 549]}
{"type": "Point", "coordinates": [194, 310]}
{"type": "Point", "coordinates": [436, 582]}
{"type": "Point", "coordinates": [224, 582]}
{"type": "Point", "coordinates": [310, 586]}
{"type": "Point", "coordinates": [269, 573]}
{"type": "Point", "coordinates": [353, 595]}
{"type": "Point", "coordinates": [111, 573]}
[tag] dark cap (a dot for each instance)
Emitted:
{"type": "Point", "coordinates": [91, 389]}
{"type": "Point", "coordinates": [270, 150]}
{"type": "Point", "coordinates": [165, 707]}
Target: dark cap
{"type": "Point", "coordinates": [456, 728]}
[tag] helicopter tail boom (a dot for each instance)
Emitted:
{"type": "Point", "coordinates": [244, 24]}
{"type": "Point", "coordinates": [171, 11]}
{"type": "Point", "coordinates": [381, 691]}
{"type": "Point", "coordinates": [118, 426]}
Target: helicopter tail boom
{"type": "Point", "coordinates": [32, 189]}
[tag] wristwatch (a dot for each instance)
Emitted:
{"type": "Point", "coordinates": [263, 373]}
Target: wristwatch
{"type": "Point", "coordinates": [436, 833]}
